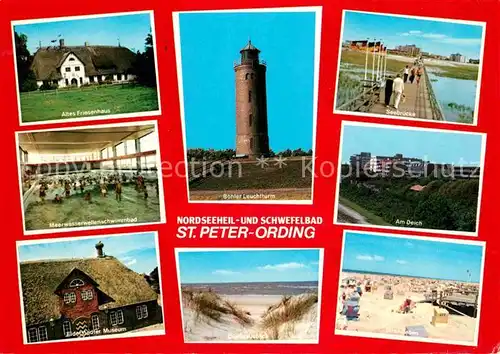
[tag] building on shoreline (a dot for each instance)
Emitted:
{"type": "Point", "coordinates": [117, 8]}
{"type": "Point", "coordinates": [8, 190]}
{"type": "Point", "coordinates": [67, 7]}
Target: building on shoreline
{"type": "Point", "coordinates": [457, 57]}
{"type": "Point", "coordinates": [82, 297]}
{"type": "Point", "coordinates": [401, 166]}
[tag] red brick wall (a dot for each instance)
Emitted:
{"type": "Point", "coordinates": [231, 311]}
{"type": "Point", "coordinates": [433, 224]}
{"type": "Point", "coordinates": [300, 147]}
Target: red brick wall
{"type": "Point", "coordinates": [81, 308]}
{"type": "Point", "coordinates": [251, 134]}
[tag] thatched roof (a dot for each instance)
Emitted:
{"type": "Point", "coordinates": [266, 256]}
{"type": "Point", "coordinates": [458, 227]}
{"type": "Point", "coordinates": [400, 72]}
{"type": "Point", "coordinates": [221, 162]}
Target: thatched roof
{"type": "Point", "coordinates": [40, 280]}
{"type": "Point", "coordinates": [98, 60]}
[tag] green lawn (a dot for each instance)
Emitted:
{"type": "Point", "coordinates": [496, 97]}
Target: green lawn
{"type": "Point", "coordinates": [369, 216]}
{"type": "Point", "coordinates": [116, 99]}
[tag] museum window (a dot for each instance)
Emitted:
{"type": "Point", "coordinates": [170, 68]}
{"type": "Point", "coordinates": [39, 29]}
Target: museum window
{"type": "Point", "coordinates": [68, 69]}
{"type": "Point", "coordinates": [250, 118]}
{"type": "Point", "coordinates": [76, 282]}
{"type": "Point", "coordinates": [77, 68]}
{"type": "Point", "coordinates": [119, 77]}
{"type": "Point", "coordinates": [42, 333]}
{"type": "Point", "coordinates": [95, 321]}
{"type": "Point", "coordinates": [116, 317]}
{"type": "Point", "coordinates": [66, 328]}
{"type": "Point", "coordinates": [69, 298]}
{"type": "Point", "coordinates": [87, 295]}
{"type": "Point", "coordinates": [249, 96]}
{"type": "Point", "coordinates": [32, 335]}
{"type": "Point", "coordinates": [119, 315]}
{"type": "Point", "coordinates": [67, 82]}
{"type": "Point", "coordinates": [141, 312]}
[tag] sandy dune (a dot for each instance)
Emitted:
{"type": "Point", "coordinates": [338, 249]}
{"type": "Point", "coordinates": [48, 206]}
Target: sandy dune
{"type": "Point", "coordinates": [199, 328]}
{"type": "Point", "coordinates": [379, 315]}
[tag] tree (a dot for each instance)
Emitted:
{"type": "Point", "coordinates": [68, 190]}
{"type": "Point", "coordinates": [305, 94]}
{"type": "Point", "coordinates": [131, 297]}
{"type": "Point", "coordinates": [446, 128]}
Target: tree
{"type": "Point", "coordinates": [144, 67]}
{"type": "Point", "coordinates": [25, 77]}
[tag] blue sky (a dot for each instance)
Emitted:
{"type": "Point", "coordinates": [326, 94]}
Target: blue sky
{"type": "Point", "coordinates": [412, 257]}
{"type": "Point", "coordinates": [136, 251]}
{"type": "Point", "coordinates": [434, 146]}
{"type": "Point", "coordinates": [130, 29]}
{"type": "Point", "coordinates": [248, 266]}
{"type": "Point", "coordinates": [437, 37]}
{"type": "Point", "coordinates": [210, 44]}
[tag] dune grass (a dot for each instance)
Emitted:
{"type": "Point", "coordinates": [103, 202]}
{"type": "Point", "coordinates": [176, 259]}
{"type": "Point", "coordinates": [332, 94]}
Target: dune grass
{"type": "Point", "coordinates": [288, 311]}
{"type": "Point", "coordinates": [209, 305]}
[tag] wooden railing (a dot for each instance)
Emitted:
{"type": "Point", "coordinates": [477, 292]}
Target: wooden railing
{"type": "Point", "coordinates": [437, 112]}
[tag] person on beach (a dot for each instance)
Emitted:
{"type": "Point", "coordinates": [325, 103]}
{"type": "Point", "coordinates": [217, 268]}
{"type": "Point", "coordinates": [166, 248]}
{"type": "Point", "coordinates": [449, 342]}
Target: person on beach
{"type": "Point", "coordinates": [398, 89]}
{"type": "Point", "coordinates": [58, 199]}
{"type": "Point", "coordinates": [406, 71]}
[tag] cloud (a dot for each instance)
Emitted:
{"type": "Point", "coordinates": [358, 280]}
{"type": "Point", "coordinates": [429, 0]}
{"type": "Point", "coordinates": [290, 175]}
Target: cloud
{"type": "Point", "coordinates": [441, 37]}
{"type": "Point", "coordinates": [224, 272]}
{"type": "Point", "coordinates": [434, 35]}
{"type": "Point", "coordinates": [366, 257]}
{"type": "Point", "coordinates": [131, 262]}
{"type": "Point", "coordinates": [314, 263]}
{"type": "Point", "coordinates": [282, 266]}
{"type": "Point", "coordinates": [400, 261]}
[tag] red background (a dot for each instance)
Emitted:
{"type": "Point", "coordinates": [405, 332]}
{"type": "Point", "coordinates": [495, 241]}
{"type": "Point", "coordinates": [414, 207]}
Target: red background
{"type": "Point", "coordinates": [328, 236]}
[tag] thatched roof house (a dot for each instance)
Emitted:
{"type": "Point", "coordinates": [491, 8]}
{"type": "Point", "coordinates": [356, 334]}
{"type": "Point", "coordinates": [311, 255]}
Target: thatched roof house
{"type": "Point", "coordinates": [65, 65]}
{"type": "Point", "coordinates": [84, 294]}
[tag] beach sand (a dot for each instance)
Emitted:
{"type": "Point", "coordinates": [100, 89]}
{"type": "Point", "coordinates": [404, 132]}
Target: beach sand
{"type": "Point", "coordinates": [199, 328]}
{"type": "Point", "coordinates": [379, 315]}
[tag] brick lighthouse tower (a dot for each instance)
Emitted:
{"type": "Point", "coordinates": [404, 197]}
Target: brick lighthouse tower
{"type": "Point", "coordinates": [251, 104]}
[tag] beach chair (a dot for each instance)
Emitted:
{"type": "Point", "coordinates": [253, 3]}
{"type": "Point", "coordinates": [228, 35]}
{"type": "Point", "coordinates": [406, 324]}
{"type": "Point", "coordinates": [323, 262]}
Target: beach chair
{"type": "Point", "coordinates": [388, 295]}
{"type": "Point", "coordinates": [351, 310]}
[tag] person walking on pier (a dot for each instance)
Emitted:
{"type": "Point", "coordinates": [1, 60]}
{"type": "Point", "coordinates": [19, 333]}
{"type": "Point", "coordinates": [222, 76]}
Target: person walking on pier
{"type": "Point", "coordinates": [420, 71]}
{"type": "Point", "coordinates": [388, 91]}
{"type": "Point", "coordinates": [405, 73]}
{"type": "Point", "coordinates": [412, 74]}
{"type": "Point", "coordinates": [398, 88]}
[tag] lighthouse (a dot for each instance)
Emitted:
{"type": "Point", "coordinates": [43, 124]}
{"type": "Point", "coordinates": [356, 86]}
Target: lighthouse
{"type": "Point", "coordinates": [252, 137]}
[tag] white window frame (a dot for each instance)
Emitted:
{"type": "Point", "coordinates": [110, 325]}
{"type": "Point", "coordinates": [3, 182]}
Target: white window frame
{"type": "Point", "coordinates": [74, 283]}
{"type": "Point", "coordinates": [87, 294]}
{"type": "Point", "coordinates": [66, 331]}
{"type": "Point", "coordinates": [113, 319]}
{"type": "Point", "coordinates": [33, 332]}
{"type": "Point", "coordinates": [95, 324]}
{"type": "Point", "coordinates": [69, 298]}
{"type": "Point", "coordinates": [141, 312]}
{"type": "Point", "coordinates": [120, 317]}
{"type": "Point", "coordinates": [43, 329]}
